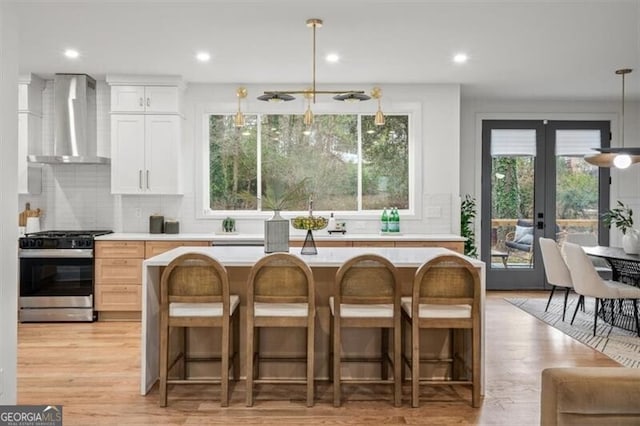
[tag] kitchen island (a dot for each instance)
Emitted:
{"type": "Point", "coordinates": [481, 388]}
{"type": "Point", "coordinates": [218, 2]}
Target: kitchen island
{"type": "Point", "coordinates": [239, 260]}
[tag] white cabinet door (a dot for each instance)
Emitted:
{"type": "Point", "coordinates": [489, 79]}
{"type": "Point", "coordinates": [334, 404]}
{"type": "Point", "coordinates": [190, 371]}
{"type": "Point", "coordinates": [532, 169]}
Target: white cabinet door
{"type": "Point", "coordinates": [162, 154]}
{"type": "Point", "coordinates": [160, 99]}
{"type": "Point", "coordinates": [23, 147]}
{"type": "Point", "coordinates": [128, 99]}
{"type": "Point", "coordinates": [153, 99]}
{"type": "Point", "coordinates": [127, 154]}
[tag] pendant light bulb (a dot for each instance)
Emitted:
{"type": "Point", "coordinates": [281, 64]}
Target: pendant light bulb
{"type": "Point", "coordinates": [378, 120]}
{"type": "Point", "coordinates": [622, 161]}
{"type": "Point", "coordinates": [238, 120]}
{"type": "Point", "coordinates": [308, 117]}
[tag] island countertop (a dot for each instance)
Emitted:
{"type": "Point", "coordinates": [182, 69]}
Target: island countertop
{"type": "Point", "coordinates": [231, 237]}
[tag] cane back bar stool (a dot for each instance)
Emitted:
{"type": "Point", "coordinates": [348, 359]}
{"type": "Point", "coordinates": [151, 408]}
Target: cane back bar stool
{"type": "Point", "coordinates": [445, 295]}
{"type": "Point", "coordinates": [194, 292]}
{"type": "Point", "coordinates": [367, 295]}
{"type": "Point", "coordinates": [280, 293]}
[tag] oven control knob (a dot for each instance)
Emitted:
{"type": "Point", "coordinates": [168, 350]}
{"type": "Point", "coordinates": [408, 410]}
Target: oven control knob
{"type": "Point", "coordinates": [39, 242]}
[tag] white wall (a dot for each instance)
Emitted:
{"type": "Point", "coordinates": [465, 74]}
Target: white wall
{"type": "Point", "coordinates": [77, 197]}
{"type": "Point", "coordinates": [625, 183]}
{"type": "Point", "coordinates": [8, 204]}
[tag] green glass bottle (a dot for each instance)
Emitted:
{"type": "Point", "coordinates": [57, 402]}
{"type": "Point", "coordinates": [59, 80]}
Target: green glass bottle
{"type": "Point", "coordinates": [394, 220]}
{"type": "Point", "coordinates": [384, 221]}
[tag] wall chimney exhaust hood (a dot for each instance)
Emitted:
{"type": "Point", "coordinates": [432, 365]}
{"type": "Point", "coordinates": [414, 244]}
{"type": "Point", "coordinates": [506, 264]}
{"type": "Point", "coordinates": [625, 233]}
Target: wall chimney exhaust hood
{"type": "Point", "coordinates": [74, 117]}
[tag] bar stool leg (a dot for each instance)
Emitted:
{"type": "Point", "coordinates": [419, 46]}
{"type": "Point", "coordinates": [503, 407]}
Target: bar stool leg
{"type": "Point", "coordinates": [415, 364]}
{"type": "Point", "coordinates": [236, 344]}
{"type": "Point", "coordinates": [384, 353]}
{"type": "Point", "coordinates": [337, 353]}
{"type": "Point", "coordinates": [397, 366]}
{"type": "Point", "coordinates": [164, 358]}
{"type": "Point", "coordinates": [249, 361]}
{"type": "Point", "coordinates": [310, 363]}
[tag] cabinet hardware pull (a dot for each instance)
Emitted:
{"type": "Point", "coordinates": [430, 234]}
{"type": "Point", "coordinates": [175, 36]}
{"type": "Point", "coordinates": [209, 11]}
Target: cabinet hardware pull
{"type": "Point", "coordinates": [148, 102]}
{"type": "Point", "coordinates": [141, 101]}
{"type": "Point", "coordinates": [148, 179]}
{"type": "Point", "coordinates": [140, 178]}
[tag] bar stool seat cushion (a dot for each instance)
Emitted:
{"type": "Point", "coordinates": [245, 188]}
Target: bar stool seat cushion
{"type": "Point", "coordinates": [430, 310]}
{"type": "Point", "coordinates": [262, 309]}
{"type": "Point", "coordinates": [350, 310]}
{"type": "Point", "coordinates": [178, 309]}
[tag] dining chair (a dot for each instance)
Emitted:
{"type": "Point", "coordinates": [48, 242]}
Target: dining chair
{"type": "Point", "coordinates": [194, 292]}
{"type": "Point", "coordinates": [280, 293]}
{"type": "Point", "coordinates": [367, 295]}
{"type": "Point", "coordinates": [587, 282]}
{"type": "Point", "coordinates": [445, 295]}
{"type": "Point", "coordinates": [555, 270]}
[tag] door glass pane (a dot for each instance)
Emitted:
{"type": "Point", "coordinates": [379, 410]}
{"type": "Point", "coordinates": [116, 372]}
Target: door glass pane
{"type": "Point", "coordinates": [576, 187]}
{"type": "Point", "coordinates": [513, 154]}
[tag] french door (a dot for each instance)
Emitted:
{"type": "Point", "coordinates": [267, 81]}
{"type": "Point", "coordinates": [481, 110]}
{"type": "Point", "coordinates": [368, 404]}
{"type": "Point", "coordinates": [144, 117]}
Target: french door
{"type": "Point", "coordinates": [535, 183]}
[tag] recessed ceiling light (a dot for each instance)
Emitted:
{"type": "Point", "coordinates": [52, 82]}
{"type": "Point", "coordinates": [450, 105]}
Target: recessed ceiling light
{"type": "Point", "coordinates": [71, 53]}
{"type": "Point", "coordinates": [460, 58]}
{"type": "Point", "coordinates": [332, 58]}
{"type": "Point", "coordinates": [203, 56]}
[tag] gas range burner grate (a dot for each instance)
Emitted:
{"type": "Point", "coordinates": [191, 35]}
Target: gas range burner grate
{"type": "Point", "coordinates": [68, 234]}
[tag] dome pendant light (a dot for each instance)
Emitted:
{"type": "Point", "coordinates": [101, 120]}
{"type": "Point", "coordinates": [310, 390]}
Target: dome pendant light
{"type": "Point", "coordinates": [621, 157]}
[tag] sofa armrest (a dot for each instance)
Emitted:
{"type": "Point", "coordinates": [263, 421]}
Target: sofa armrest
{"type": "Point", "coordinates": [590, 396]}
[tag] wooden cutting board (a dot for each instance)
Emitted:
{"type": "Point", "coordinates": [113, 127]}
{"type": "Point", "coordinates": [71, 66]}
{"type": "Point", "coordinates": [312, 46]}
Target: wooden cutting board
{"type": "Point", "coordinates": [27, 212]}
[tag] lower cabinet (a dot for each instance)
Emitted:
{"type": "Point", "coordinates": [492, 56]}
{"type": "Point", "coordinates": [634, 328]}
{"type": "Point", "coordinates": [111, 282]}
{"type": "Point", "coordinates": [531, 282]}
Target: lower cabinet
{"type": "Point", "coordinates": [457, 246]}
{"type": "Point", "coordinates": [118, 275]}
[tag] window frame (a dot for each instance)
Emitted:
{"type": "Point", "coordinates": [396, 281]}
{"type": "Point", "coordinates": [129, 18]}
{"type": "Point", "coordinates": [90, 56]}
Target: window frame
{"type": "Point", "coordinates": [412, 110]}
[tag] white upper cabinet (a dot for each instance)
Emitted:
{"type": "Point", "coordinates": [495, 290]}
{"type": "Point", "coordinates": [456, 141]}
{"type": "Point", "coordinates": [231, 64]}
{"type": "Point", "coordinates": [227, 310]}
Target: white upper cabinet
{"type": "Point", "coordinates": [30, 89]}
{"type": "Point", "coordinates": [145, 135]}
{"type": "Point", "coordinates": [149, 99]}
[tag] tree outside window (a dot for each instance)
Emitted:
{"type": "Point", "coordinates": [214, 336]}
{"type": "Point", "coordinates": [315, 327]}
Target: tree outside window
{"type": "Point", "coordinates": [349, 164]}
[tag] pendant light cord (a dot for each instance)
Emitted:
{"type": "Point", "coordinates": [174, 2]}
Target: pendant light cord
{"type": "Point", "coordinates": [622, 117]}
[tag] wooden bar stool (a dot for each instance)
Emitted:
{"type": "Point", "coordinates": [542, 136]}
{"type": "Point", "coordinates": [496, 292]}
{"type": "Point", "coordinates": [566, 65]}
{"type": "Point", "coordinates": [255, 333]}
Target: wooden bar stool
{"type": "Point", "coordinates": [367, 295]}
{"type": "Point", "coordinates": [446, 294]}
{"type": "Point", "coordinates": [194, 292]}
{"type": "Point", "coordinates": [280, 293]}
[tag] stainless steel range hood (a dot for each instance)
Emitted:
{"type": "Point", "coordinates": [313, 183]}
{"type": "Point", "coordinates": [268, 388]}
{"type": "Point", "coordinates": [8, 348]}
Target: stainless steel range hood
{"type": "Point", "coordinates": [74, 116]}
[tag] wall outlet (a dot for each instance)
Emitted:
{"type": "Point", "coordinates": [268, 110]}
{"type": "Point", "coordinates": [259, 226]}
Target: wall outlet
{"type": "Point", "coordinates": [138, 212]}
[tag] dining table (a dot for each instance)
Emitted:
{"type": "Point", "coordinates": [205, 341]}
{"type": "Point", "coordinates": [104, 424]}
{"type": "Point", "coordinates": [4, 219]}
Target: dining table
{"type": "Point", "coordinates": [625, 268]}
{"type": "Point", "coordinates": [238, 262]}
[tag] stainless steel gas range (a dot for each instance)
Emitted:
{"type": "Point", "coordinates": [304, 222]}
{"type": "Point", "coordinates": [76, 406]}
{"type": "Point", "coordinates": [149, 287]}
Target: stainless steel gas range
{"type": "Point", "coordinates": [56, 276]}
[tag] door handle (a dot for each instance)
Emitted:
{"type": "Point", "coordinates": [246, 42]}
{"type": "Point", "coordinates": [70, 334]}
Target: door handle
{"type": "Point", "coordinates": [148, 102]}
{"type": "Point", "coordinates": [540, 224]}
{"type": "Point", "coordinates": [148, 179]}
{"type": "Point", "coordinates": [140, 178]}
{"type": "Point", "coordinates": [141, 102]}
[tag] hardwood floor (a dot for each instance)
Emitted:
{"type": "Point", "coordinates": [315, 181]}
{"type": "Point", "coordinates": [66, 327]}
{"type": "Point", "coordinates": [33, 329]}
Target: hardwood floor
{"type": "Point", "coordinates": [93, 371]}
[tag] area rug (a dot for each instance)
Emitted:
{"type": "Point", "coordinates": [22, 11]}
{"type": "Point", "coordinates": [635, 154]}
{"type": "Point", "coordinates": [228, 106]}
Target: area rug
{"type": "Point", "coordinates": [620, 345]}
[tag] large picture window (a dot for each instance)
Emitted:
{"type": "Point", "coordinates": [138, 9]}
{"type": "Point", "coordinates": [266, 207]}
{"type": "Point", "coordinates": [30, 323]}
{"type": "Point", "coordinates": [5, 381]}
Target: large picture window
{"type": "Point", "coordinates": [349, 163]}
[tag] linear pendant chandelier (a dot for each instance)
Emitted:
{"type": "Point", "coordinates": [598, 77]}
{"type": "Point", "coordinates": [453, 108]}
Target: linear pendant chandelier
{"type": "Point", "coordinates": [618, 157]}
{"type": "Point", "coordinates": [310, 93]}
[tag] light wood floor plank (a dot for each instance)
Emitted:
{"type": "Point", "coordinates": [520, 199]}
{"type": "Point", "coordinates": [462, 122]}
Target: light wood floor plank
{"type": "Point", "coordinates": [93, 371]}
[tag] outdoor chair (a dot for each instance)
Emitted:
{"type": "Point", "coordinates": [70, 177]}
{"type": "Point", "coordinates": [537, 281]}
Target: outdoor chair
{"type": "Point", "coordinates": [520, 240]}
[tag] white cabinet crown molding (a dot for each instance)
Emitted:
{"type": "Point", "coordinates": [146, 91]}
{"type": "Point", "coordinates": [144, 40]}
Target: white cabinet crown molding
{"type": "Point", "coordinates": [145, 80]}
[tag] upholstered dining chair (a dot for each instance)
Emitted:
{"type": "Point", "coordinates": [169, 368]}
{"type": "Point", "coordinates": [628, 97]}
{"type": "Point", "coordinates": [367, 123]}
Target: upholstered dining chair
{"type": "Point", "coordinates": [556, 270]}
{"type": "Point", "coordinates": [280, 293]}
{"type": "Point", "coordinates": [194, 292]}
{"type": "Point", "coordinates": [587, 282]}
{"type": "Point", "coordinates": [367, 295]}
{"type": "Point", "coordinates": [445, 295]}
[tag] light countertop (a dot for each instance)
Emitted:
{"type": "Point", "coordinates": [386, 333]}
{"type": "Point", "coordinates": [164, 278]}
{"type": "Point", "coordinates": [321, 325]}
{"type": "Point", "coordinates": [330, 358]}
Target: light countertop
{"type": "Point", "coordinates": [318, 236]}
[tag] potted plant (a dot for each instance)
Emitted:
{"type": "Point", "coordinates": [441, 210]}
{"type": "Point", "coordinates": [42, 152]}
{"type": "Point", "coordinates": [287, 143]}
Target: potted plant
{"type": "Point", "coordinates": [467, 216]}
{"type": "Point", "coordinates": [622, 218]}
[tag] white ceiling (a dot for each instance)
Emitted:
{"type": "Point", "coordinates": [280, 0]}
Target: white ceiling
{"type": "Point", "coordinates": [518, 49]}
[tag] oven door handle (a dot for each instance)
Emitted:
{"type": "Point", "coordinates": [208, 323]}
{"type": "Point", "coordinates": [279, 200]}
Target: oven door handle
{"type": "Point", "coordinates": [55, 253]}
